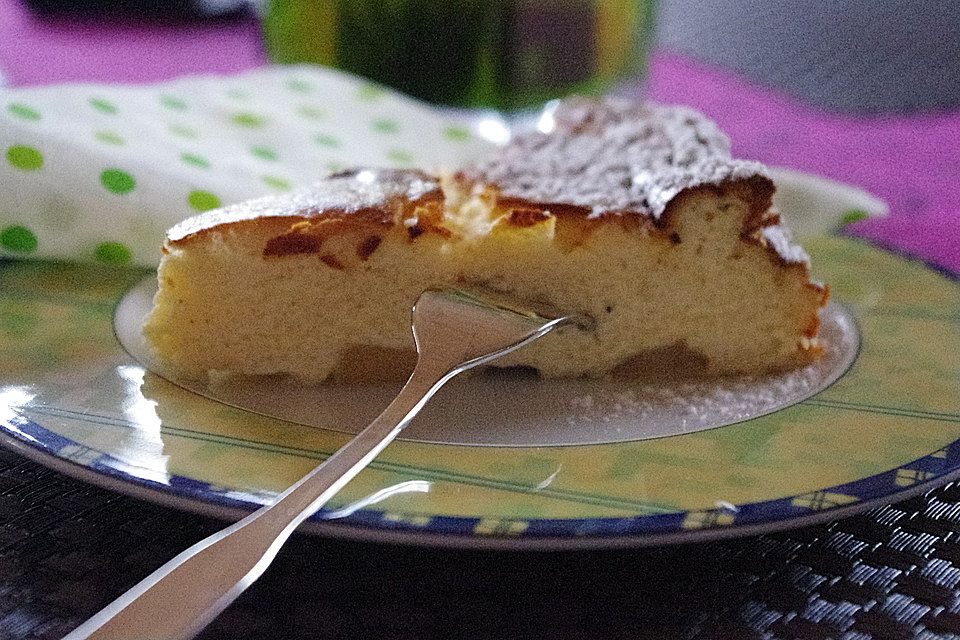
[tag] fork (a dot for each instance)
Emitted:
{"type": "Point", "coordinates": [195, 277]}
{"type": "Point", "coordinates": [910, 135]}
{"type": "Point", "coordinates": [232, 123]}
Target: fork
{"type": "Point", "coordinates": [454, 331]}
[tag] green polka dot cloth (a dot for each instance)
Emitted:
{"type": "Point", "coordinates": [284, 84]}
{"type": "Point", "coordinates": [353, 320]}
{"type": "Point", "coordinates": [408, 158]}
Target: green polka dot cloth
{"type": "Point", "coordinates": [98, 173]}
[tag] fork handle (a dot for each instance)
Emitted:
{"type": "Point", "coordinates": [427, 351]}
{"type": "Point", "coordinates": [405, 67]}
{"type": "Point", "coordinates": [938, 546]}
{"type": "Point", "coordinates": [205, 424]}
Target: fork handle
{"type": "Point", "coordinates": [180, 598]}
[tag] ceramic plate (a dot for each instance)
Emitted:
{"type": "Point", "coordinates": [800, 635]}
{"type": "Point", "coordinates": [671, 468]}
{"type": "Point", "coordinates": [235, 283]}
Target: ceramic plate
{"type": "Point", "coordinates": [575, 464]}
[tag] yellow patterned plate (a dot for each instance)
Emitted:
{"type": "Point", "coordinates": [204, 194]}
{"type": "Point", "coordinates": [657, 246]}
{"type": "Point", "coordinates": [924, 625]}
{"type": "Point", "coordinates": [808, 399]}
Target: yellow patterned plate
{"type": "Point", "coordinates": [73, 398]}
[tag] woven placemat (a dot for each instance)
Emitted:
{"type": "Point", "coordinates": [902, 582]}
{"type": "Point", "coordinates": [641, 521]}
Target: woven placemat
{"type": "Point", "coordinates": [67, 548]}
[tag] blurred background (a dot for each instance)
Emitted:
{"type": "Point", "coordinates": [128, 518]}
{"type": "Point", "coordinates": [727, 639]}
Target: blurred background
{"type": "Point", "coordinates": [857, 56]}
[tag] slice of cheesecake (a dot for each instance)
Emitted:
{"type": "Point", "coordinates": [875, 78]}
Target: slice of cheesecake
{"type": "Point", "coordinates": [635, 216]}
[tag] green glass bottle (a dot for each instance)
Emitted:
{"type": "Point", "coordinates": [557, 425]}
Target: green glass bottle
{"type": "Point", "coordinates": [503, 54]}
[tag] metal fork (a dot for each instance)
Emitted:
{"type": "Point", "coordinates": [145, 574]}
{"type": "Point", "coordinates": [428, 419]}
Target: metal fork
{"type": "Point", "coordinates": [454, 331]}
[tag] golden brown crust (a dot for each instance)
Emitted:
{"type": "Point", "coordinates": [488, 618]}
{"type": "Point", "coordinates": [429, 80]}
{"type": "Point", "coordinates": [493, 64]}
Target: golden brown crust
{"type": "Point", "coordinates": [526, 217]}
{"type": "Point", "coordinates": [305, 230]}
{"type": "Point", "coordinates": [755, 191]}
{"type": "Point", "coordinates": [375, 197]}
{"type": "Point", "coordinates": [577, 223]}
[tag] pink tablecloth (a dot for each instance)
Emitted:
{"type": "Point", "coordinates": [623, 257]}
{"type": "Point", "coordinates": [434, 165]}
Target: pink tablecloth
{"type": "Point", "coordinates": [912, 162]}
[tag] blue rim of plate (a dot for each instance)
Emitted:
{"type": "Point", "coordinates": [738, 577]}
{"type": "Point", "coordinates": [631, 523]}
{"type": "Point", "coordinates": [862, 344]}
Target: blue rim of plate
{"type": "Point", "coordinates": [909, 479]}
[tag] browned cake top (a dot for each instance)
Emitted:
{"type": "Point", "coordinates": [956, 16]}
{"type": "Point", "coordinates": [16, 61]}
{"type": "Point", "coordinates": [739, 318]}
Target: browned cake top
{"type": "Point", "coordinates": [364, 192]}
{"type": "Point", "coordinates": [614, 156]}
{"type": "Point", "coordinates": [597, 158]}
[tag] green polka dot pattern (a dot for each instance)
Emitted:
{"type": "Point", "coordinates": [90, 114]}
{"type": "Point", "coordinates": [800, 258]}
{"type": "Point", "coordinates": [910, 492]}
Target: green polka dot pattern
{"type": "Point", "coordinates": [298, 85]}
{"type": "Point", "coordinates": [183, 131]}
{"type": "Point", "coordinates": [173, 102]}
{"type": "Point", "coordinates": [371, 92]}
{"type": "Point", "coordinates": [400, 156]}
{"type": "Point", "coordinates": [247, 119]}
{"type": "Point", "coordinates": [264, 153]}
{"type": "Point", "coordinates": [117, 181]}
{"type": "Point", "coordinates": [202, 200]}
{"type": "Point", "coordinates": [24, 158]}
{"type": "Point", "coordinates": [19, 239]}
{"type": "Point", "coordinates": [112, 253]}
{"type": "Point", "coordinates": [456, 133]}
{"type": "Point", "coordinates": [104, 106]}
{"type": "Point", "coordinates": [22, 111]}
{"type": "Point", "coordinates": [194, 160]}
{"type": "Point", "coordinates": [312, 113]}
{"type": "Point", "coordinates": [325, 140]}
{"type": "Point", "coordinates": [109, 137]}
{"type": "Point", "coordinates": [135, 160]}
{"type": "Point", "coordinates": [276, 183]}
{"type": "Point", "coordinates": [385, 125]}
{"type": "Point", "coordinates": [853, 215]}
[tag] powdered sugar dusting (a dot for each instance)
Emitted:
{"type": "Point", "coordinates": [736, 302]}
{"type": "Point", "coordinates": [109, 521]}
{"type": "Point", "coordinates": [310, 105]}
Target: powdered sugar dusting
{"type": "Point", "coordinates": [780, 239]}
{"type": "Point", "coordinates": [615, 156]}
{"type": "Point", "coordinates": [655, 410]}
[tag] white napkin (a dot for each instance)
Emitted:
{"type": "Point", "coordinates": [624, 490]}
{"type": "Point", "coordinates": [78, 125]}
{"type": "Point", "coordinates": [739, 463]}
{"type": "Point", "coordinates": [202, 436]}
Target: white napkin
{"type": "Point", "coordinates": [98, 172]}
